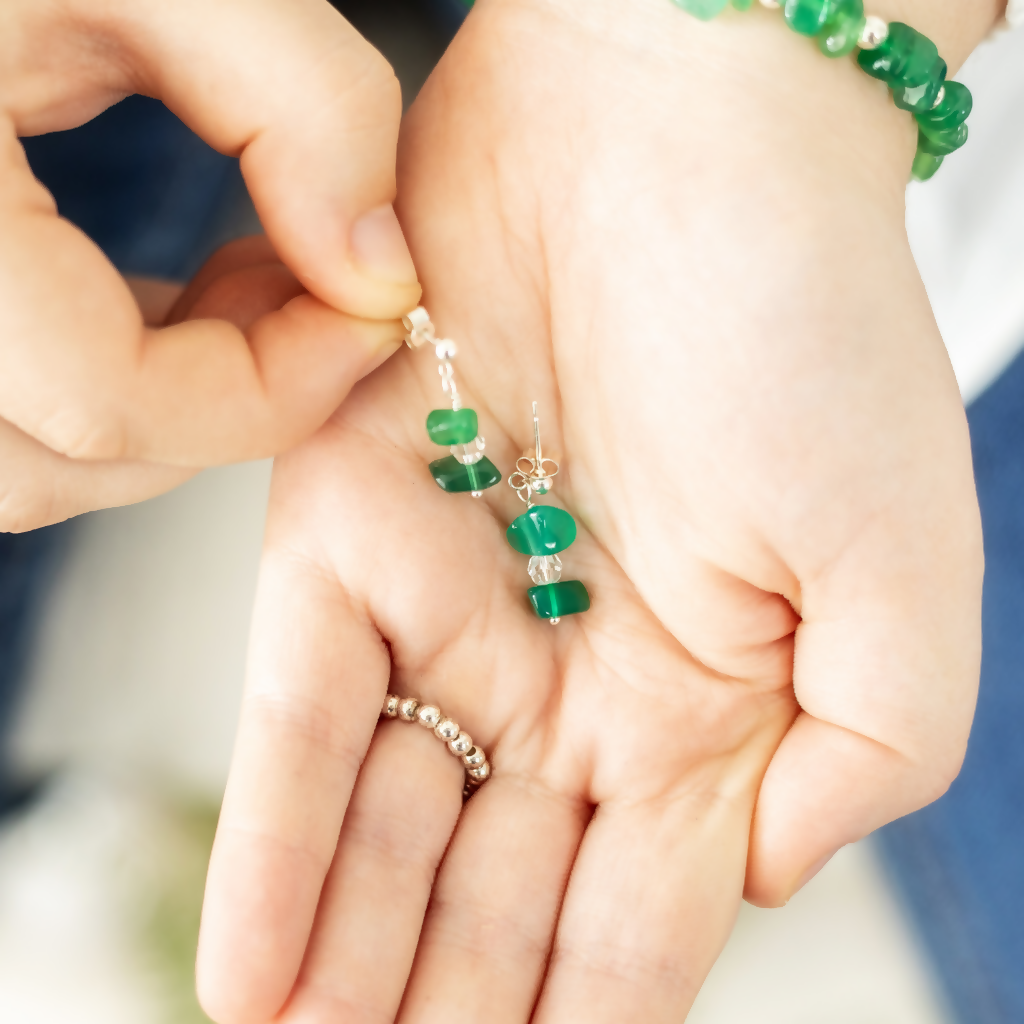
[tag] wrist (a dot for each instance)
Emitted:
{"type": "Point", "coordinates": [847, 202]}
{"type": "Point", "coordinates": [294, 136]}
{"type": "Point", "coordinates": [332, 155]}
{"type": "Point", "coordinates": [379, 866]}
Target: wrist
{"type": "Point", "coordinates": [744, 72]}
{"type": "Point", "coordinates": [955, 26]}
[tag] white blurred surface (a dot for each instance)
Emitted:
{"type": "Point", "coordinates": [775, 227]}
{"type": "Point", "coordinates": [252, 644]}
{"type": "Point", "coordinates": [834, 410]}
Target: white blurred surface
{"type": "Point", "coordinates": [839, 952]}
{"type": "Point", "coordinates": [966, 225]}
{"type": "Point", "coordinates": [67, 955]}
{"type": "Point", "coordinates": [141, 654]}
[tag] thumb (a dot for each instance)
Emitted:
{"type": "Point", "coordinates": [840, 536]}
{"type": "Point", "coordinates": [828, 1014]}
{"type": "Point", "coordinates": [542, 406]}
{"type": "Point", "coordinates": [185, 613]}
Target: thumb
{"type": "Point", "coordinates": [289, 86]}
{"type": "Point", "coordinates": [886, 666]}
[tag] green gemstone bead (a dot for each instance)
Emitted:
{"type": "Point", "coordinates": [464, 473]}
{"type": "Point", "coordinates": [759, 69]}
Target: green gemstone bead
{"type": "Point", "coordinates": [742, 5]}
{"type": "Point", "coordinates": [925, 165]}
{"type": "Point", "coordinates": [941, 142]}
{"type": "Point", "coordinates": [807, 17]}
{"type": "Point", "coordinates": [703, 9]}
{"type": "Point", "coordinates": [842, 30]}
{"type": "Point", "coordinates": [918, 98]}
{"type": "Point", "coordinates": [954, 108]}
{"type": "Point", "coordinates": [904, 58]}
{"type": "Point", "coordinates": [543, 530]}
{"type": "Point", "coordinates": [553, 600]}
{"type": "Point", "coordinates": [451, 426]}
{"type": "Point", "coordinates": [452, 476]}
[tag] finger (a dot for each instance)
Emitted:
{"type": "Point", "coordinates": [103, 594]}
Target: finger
{"type": "Point", "coordinates": [84, 376]}
{"type": "Point", "coordinates": [155, 298]}
{"type": "Point", "coordinates": [289, 85]}
{"type": "Point", "coordinates": [317, 676]}
{"type": "Point", "coordinates": [826, 787]}
{"type": "Point", "coordinates": [653, 896]}
{"type": "Point", "coordinates": [886, 668]}
{"type": "Point", "coordinates": [402, 814]}
{"type": "Point", "coordinates": [242, 281]}
{"type": "Point", "coordinates": [489, 929]}
{"type": "Point", "coordinates": [38, 487]}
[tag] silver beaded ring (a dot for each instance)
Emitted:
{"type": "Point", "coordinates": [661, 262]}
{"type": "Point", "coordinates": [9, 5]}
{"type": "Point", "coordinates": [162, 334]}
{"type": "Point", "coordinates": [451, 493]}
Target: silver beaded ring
{"type": "Point", "coordinates": [460, 744]}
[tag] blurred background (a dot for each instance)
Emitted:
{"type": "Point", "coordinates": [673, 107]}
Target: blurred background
{"type": "Point", "coordinates": [134, 674]}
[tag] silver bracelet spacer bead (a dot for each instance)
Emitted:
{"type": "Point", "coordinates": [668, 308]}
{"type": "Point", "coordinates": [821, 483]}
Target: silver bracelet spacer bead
{"type": "Point", "coordinates": [874, 33]}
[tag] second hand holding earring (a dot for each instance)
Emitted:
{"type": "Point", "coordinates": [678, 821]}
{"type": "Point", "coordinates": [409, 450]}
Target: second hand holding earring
{"type": "Point", "coordinates": [541, 532]}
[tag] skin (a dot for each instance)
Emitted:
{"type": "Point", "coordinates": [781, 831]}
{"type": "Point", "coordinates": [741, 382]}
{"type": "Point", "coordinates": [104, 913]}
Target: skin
{"type": "Point", "coordinates": [99, 407]}
{"type": "Point", "coordinates": [763, 445]}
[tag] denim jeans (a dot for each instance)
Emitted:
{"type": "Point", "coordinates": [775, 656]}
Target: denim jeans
{"type": "Point", "coordinates": [960, 861]}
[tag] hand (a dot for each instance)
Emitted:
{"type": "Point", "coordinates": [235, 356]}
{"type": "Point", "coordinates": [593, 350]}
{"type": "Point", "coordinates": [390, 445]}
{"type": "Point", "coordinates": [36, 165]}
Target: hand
{"type": "Point", "coordinates": [89, 395]}
{"type": "Point", "coordinates": [663, 232]}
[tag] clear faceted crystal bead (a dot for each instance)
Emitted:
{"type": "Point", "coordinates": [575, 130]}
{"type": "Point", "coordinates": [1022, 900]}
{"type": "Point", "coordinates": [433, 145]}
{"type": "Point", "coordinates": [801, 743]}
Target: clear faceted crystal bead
{"type": "Point", "coordinates": [545, 569]}
{"type": "Point", "coordinates": [470, 453]}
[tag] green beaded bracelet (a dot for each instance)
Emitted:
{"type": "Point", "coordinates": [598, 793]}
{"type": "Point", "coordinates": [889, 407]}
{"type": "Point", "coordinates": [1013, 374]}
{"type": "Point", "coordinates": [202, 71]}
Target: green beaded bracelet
{"type": "Point", "coordinates": [908, 63]}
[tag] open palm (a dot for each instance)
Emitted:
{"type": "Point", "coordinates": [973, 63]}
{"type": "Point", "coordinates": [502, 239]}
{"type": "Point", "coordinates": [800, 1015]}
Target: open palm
{"type": "Point", "coordinates": [771, 479]}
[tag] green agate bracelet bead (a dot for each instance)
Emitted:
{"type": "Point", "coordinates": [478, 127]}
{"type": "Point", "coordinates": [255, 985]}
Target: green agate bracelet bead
{"type": "Point", "coordinates": [925, 165]}
{"type": "Point", "coordinates": [841, 32]}
{"type": "Point", "coordinates": [553, 600]}
{"type": "Point", "coordinates": [941, 142]}
{"type": "Point", "coordinates": [919, 99]}
{"type": "Point", "coordinates": [703, 9]}
{"type": "Point", "coordinates": [808, 17]}
{"type": "Point", "coordinates": [953, 109]}
{"type": "Point", "coordinates": [903, 58]}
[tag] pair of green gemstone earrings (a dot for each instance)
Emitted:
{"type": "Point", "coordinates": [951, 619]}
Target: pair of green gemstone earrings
{"type": "Point", "coordinates": [542, 531]}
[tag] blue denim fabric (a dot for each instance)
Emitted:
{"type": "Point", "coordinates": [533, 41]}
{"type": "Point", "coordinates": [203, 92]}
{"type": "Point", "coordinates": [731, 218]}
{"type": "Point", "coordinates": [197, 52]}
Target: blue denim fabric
{"type": "Point", "coordinates": [960, 862]}
{"type": "Point", "coordinates": [150, 194]}
{"type": "Point", "coordinates": [140, 184]}
{"type": "Point", "coordinates": [25, 563]}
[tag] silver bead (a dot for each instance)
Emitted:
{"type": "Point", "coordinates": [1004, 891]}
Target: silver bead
{"type": "Point", "coordinates": [772, 5]}
{"type": "Point", "coordinates": [474, 757]}
{"type": "Point", "coordinates": [390, 709]}
{"type": "Point", "coordinates": [477, 494]}
{"type": "Point", "coordinates": [480, 773]}
{"type": "Point", "coordinates": [447, 730]}
{"type": "Point", "coordinates": [874, 33]}
{"type": "Point", "coordinates": [462, 744]}
{"type": "Point", "coordinates": [541, 485]}
{"type": "Point", "coordinates": [419, 329]}
{"type": "Point", "coordinates": [407, 709]}
{"type": "Point", "coordinates": [555, 621]}
{"type": "Point", "coordinates": [446, 349]}
{"type": "Point", "coordinates": [428, 715]}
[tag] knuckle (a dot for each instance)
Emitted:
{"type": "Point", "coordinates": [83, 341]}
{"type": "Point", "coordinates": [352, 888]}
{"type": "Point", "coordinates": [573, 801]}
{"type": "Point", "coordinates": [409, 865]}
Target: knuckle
{"type": "Point", "coordinates": [366, 83]}
{"type": "Point", "coordinates": [83, 434]}
{"type": "Point", "coordinates": [24, 506]}
{"type": "Point", "coordinates": [940, 777]}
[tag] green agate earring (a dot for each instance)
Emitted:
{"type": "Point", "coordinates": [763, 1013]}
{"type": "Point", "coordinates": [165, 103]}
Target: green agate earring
{"type": "Point", "coordinates": [466, 468]}
{"type": "Point", "coordinates": [541, 532]}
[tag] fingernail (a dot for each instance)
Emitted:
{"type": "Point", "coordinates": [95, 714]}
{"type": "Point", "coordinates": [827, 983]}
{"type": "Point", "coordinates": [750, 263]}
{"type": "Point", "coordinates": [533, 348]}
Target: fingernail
{"type": "Point", "coordinates": [379, 246]}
